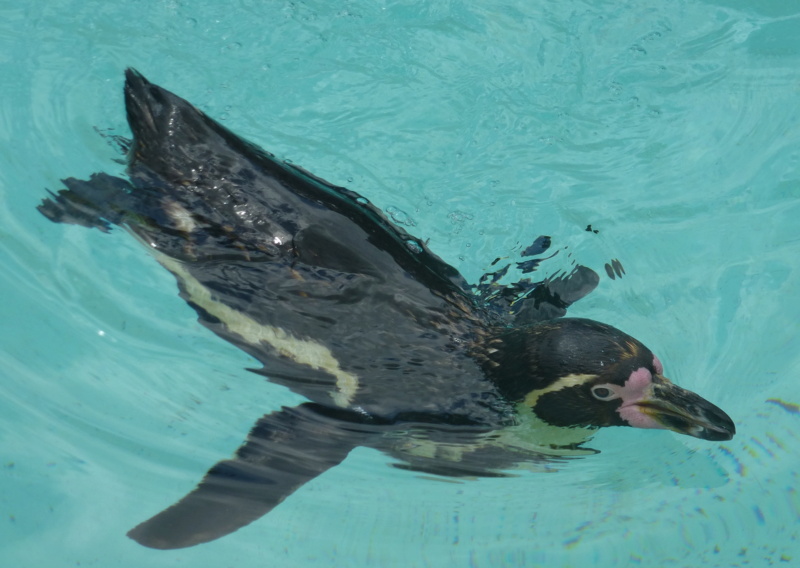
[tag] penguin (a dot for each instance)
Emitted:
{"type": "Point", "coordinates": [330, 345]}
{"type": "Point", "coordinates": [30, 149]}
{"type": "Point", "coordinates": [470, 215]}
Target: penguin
{"type": "Point", "coordinates": [390, 346]}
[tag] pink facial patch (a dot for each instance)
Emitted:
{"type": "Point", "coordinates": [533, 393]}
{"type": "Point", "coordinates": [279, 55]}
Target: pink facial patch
{"type": "Point", "coordinates": [638, 387]}
{"type": "Point", "coordinates": [658, 366]}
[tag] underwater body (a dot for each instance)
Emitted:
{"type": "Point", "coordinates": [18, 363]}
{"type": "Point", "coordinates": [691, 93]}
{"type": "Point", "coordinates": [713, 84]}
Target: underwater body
{"type": "Point", "coordinates": [391, 346]}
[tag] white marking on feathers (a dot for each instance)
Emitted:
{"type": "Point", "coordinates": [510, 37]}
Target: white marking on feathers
{"type": "Point", "coordinates": [303, 351]}
{"type": "Point", "coordinates": [534, 435]}
{"type": "Point", "coordinates": [180, 215]}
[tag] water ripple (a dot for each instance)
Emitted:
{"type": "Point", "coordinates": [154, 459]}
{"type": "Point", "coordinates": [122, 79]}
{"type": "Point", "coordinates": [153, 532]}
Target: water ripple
{"type": "Point", "coordinates": [673, 130]}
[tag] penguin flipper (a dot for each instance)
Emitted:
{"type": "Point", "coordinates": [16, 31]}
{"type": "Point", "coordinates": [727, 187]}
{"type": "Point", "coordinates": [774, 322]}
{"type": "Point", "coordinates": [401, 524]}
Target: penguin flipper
{"type": "Point", "coordinates": [551, 298]}
{"type": "Point", "coordinates": [283, 451]}
{"type": "Point", "coordinates": [527, 302]}
{"type": "Point", "coordinates": [96, 202]}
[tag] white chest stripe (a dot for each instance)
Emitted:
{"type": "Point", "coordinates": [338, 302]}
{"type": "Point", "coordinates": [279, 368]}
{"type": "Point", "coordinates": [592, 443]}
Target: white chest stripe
{"type": "Point", "coordinates": [303, 351]}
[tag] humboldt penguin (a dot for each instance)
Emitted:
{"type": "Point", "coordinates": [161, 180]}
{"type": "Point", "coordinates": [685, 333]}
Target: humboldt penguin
{"type": "Point", "coordinates": [392, 348]}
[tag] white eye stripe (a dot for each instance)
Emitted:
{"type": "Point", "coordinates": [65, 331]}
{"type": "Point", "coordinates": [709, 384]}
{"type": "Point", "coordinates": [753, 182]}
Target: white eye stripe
{"type": "Point", "coordinates": [562, 383]}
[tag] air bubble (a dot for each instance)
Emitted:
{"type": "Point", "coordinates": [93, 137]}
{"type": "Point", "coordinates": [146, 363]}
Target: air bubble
{"type": "Point", "coordinates": [414, 246]}
{"type": "Point", "coordinates": [400, 217]}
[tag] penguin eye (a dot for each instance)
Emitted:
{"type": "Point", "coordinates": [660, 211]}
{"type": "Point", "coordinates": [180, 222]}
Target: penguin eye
{"type": "Point", "coordinates": [601, 392]}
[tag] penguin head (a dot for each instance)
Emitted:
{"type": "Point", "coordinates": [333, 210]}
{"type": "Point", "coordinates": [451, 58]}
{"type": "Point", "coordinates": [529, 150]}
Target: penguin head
{"type": "Point", "coordinates": [575, 372]}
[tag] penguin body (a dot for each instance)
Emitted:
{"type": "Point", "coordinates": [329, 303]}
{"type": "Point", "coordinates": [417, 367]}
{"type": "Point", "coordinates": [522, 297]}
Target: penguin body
{"type": "Point", "coordinates": [390, 345]}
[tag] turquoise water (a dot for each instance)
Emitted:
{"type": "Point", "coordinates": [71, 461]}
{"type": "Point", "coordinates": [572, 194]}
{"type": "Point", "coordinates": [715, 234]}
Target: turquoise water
{"type": "Point", "coordinates": [672, 128]}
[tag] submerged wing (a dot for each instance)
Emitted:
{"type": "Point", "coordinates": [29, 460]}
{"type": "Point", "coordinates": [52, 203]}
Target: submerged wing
{"type": "Point", "coordinates": [266, 199]}
{"type": "Point", "coordinates": [284, 450]}
{"type": "Point", "coordinates": [195, 173]}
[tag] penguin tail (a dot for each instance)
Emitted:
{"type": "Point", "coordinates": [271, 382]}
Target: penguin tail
{"type": "Point", "coordinates": [171, 137]}
{"type": "Point", "coordinates": [283, 451]}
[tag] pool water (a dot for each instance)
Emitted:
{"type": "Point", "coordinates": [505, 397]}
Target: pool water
{"type": "Point", "coordinates": [672, 128]}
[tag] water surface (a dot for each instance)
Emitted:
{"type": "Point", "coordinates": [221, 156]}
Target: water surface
{"type": "Point", "coordinates": [672, 128]}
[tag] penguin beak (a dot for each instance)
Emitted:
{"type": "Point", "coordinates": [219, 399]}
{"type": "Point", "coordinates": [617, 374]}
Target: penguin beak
{"type": "Point", "coordinates": [683, 411]}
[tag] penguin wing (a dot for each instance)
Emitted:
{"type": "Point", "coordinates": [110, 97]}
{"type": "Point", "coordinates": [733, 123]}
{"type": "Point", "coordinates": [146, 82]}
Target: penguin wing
{"type": "Point", "coordinates": [551, 298]}
{"type": "Point", "coordinates": [188, 172]}
{"type": "Point", "coordinates": [248, 189]}
{"type": "Point", "coordinates": [526, 302]}
{"type": "Point", "coordinates": [283, 451]}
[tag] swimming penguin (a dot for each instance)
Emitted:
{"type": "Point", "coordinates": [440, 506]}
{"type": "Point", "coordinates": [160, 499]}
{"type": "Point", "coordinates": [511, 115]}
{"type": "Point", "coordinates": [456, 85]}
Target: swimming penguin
{"type": "Point", "coordinates": [391, 347]}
